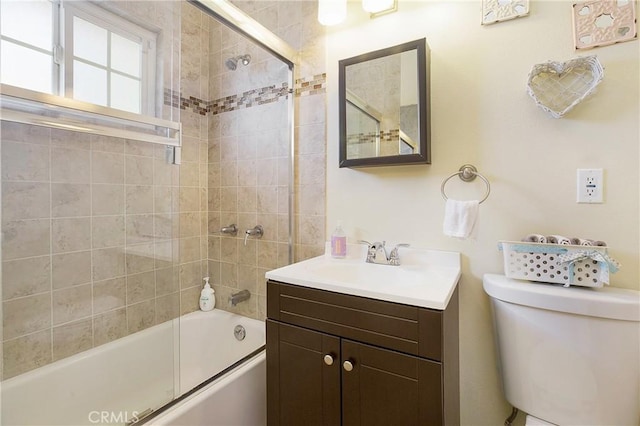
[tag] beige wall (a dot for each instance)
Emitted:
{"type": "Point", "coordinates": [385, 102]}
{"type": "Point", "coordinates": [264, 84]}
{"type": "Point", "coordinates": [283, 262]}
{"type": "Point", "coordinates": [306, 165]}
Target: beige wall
{"type": "Point", "coordinates": [481, 114]}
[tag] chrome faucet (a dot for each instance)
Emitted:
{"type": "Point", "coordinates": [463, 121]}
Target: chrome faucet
{"type": "Point", "coordinates": [377, 253]}
{"type": "Point", "coordinates": [238, 297]}
{"type": "Point", "coordinates": [230, 230]}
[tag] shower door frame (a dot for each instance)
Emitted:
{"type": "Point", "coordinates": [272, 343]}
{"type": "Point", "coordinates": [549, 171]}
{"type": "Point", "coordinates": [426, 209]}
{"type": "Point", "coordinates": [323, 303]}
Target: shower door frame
{"type": "Point", "coordinates": [239, 21]}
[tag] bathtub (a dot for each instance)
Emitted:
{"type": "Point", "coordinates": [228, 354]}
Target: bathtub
{"type": "Point", "coordinates": [116, 382]}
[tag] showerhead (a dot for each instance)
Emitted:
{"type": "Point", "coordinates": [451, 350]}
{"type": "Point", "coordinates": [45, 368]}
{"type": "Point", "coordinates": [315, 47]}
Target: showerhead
{"type": "Point", "coordinates": [232, 63]}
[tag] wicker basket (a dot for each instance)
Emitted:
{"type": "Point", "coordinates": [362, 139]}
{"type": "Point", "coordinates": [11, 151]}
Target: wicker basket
{"type": "Point", "coordinates": [557, 87]}
{"type": "Point", "coordinates": [546, 263]}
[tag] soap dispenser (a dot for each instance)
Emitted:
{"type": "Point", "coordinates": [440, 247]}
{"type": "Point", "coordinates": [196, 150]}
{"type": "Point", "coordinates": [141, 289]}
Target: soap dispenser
{"type": "Point", "coordinates": [207, 297]}
{"type": "Point", "coordinates": [338, 242]}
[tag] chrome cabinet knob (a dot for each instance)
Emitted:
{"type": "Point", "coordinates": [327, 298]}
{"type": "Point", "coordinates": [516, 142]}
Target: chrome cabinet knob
{"type": "Point", "coordinates": [328, 359]}
{"type": "Point", "coordinates": [347, 365]}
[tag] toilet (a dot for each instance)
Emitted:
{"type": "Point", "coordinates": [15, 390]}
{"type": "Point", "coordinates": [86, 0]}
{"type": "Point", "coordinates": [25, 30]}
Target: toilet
{"type": "Point", "coordinates": [568, 356]}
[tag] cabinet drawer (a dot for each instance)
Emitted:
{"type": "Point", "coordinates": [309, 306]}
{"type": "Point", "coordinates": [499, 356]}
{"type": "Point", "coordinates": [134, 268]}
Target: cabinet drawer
{"type": "Point", "coordinates": [408, 329]}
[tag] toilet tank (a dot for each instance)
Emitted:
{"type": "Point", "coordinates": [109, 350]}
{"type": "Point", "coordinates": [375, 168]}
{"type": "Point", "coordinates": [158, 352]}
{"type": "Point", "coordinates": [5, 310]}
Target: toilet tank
{"type": "Point", "coordinates": [570, 356]}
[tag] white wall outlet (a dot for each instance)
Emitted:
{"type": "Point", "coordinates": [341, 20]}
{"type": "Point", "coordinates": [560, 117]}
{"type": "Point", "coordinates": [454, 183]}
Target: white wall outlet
{"type": "Point", "coordinates": [590, 186]}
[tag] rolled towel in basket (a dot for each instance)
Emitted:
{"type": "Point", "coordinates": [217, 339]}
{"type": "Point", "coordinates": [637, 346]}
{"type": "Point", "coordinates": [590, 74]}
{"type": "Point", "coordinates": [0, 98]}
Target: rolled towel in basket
{"type": "Point", "coordinates": [558, 239]}
{"type": "Point", "coordinates": [581, 241]}
{"type": "Point", "coordinates": [598, 243]}
{"type": "Point", "coordinates": [535, 238]}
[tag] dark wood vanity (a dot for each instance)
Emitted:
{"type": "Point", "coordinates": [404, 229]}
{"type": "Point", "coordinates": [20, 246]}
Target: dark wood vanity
{"type": "Point", "coordinates": [339, 359]}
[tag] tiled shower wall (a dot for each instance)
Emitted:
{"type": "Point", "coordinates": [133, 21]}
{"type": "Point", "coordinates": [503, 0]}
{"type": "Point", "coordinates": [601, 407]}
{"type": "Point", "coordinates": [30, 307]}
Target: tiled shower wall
{"type": "Point", "coordinates": [90, 230]}
{"type": "Point", "coordinates": [296, 23]}
{"type": "Point", "coordinates": [88, 237]}
{"type": "Point", "coordinates": [248, 154]}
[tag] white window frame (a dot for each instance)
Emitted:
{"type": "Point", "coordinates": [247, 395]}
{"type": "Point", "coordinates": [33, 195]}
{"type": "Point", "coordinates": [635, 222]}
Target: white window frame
{"type": "Point", "coordinates": [122, 27]}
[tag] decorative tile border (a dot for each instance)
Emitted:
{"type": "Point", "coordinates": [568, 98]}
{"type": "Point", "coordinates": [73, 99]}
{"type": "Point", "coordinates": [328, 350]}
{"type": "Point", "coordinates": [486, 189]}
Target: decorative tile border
{"type": "Point", "coordinates": [357, 138]}
{"type": "Point", "coordinates": [265, 95]}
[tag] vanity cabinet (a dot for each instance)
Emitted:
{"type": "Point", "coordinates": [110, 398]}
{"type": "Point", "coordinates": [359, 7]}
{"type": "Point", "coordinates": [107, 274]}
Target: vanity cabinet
{"type": "Point", "coordinates": [337, 359]}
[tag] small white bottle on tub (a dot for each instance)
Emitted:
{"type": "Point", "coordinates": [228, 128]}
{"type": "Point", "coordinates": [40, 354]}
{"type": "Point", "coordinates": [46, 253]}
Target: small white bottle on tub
{"type": "Point", "coordinates": [207, 297]}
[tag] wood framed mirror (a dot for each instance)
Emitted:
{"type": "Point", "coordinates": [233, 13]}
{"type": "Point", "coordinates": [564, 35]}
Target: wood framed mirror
{"type": "Point", "coordinates": [384, 107]}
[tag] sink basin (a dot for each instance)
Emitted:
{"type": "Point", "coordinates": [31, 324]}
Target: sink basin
{"type": "Point", "coordinates": [425, 278]}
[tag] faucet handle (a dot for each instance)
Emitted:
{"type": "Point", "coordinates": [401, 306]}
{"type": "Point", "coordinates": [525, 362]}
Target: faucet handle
{"type": "Point", "coordinates": [394, 256]}
{"type": "Point", "coordinates": [365, 242]}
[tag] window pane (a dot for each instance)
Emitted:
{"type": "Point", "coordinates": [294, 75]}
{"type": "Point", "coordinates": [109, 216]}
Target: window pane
{"type": "Point", "coordinates": [25, 67]}
{"type": "Point", "coordinates": [125, 93]}
{"type": "Point", "coordinates": [89, 83]}
{"type": "Point", "coordinates": [125, 55]}
{"type": "Point", "coordinates": [30, 21]}
{"type": "Point", "coordinates": [89, 41]}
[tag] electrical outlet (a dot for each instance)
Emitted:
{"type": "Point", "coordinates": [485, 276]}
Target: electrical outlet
{"type": "Point", "coordinates": [590, 186]}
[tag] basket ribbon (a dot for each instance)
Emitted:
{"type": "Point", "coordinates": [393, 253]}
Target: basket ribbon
{"type": "Point", "coordinates": [608, 264]}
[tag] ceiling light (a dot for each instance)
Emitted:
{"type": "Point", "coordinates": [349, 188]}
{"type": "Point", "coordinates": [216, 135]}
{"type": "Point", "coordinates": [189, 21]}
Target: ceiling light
{"type": "Point", "coordinates": [332, 12]}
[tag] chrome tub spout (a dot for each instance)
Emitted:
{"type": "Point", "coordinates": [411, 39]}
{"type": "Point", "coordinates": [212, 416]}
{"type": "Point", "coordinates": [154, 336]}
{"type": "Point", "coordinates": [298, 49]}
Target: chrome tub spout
{"type": "Point", "coordinates": [238, 297]}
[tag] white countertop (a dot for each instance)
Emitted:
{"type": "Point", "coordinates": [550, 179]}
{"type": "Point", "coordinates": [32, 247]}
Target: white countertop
{"type": "Point", "coordinates": [425, 278]}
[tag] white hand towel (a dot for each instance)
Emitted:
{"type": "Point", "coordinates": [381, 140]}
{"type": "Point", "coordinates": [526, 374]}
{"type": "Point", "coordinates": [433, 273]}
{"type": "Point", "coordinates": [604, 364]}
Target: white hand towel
{"type": "Point", "coordinates": [460, 218]}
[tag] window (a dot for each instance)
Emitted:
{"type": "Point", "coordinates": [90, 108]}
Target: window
{"type": "Point", "coordinates": [78, 50]}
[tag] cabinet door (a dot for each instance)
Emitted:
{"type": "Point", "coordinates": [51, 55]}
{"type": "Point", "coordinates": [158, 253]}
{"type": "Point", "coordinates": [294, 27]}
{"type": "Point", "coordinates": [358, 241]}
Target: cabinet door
{"type": "Point", "coordinates": [384, 387]}
{"type": "Point", "coordinates": [303, 384]}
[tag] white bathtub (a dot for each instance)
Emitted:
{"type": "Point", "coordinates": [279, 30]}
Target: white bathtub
{"type": "Point", "coordinates": [114, 383]}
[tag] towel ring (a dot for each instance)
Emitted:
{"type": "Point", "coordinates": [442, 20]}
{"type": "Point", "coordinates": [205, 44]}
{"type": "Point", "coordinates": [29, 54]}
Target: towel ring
{"type": "Point", "coordinates": [467, 173]}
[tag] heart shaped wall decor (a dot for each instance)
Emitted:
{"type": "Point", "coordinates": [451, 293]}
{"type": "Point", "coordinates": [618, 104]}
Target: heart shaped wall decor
{"type": "Point", "coordinates": [557, 87]}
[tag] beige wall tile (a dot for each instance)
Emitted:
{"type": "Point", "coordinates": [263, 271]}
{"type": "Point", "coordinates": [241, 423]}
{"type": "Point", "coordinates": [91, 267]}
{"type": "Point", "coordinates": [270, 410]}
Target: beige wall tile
{"type": "Point", "coordinates": [71, 234]}
{"type": "Point", "coordinates": [70, 139]}
{"type": "Point", "coordinates": [26, 315]}
{"type": "Point", "coordinates": [141, 316]}
{"type": "Point", "coordinates": [190, 300]}
{"type": "Point", "coordinates": [109, 326]}
{"type": "Point", "coordinates": [229, 173]}
{"type": "Point", "coordinates": [189, 199]}
{"type": "Point", "coordinates": [108, 199]}
{"type": "Point", "coordinates": [138, 170]}
{"type": "Point", "coordinates": [191, 274]}
{"type": "Point", "coordinates": [145, 149]}
{"type": "Point", "coordinates": [109, 295]}
{"type": "Point", "coordinates": [25, 277]}
{"type": "Point", "coordinates": [70, 165]}
{"type": "Point", "coordinates": [140, 258]}
{"type": "Point", "coordinates": [167, 281]}
{"type": "Point", "coordinates": [189, 249]}
{"type": "Point", "coordinates": [22, 161]}
{"type": "Point", "coordinates": [139, 228]}
{"type": "Point", "coordinates": [189, 174]}
{"type": "Point", "coordinates": [107, 231]}
{"type": "Point", "coordinates": [107, 144]}
{"type": "Point", "coordinates": [25, 238]}
{"type": "Point", "coordinates": [70, 269]}
{"type": "Point", "coordinates": [162, 199]}
{"type": "Point", "coordinates": [139, 199]}
{"type": "Point", "coordinates": [167, 307]}
{"type": "Point", "coordinates": [189, 224]}
{"type": "Point", "coordinates": [18, 132]}
{"type": "Point", "coordinates": [26, 353]}
{"type": "Point", "coordinates": [107, 167]}
{"type": "Point", "coordinates": [71, 304]}
{"type": "Point", "coordinates": [107, 263]}
{"type": "Point", "coordinates": [25, 200]}
{"type": "Point", "coordinates": [70, 200]}
{"type": "Point", "coordinates": [140, 287]}
{"type": "Point", "coordinates": [72, 338]}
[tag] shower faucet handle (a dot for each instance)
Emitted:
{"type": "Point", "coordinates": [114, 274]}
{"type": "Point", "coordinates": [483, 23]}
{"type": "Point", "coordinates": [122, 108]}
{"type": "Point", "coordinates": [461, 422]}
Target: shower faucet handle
{"type": "Point", "coordinates": [257, 231]}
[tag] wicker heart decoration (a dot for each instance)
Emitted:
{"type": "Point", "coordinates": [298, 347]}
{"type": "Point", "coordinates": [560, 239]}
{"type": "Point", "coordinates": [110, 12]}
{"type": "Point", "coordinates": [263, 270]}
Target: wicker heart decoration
{"type": "Point", "coordinates": [557, 87]}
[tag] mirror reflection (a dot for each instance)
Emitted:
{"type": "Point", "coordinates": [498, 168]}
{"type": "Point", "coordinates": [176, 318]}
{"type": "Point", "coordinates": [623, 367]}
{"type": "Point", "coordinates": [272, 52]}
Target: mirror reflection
{"type": "Point", "coordinates": [383, 107]}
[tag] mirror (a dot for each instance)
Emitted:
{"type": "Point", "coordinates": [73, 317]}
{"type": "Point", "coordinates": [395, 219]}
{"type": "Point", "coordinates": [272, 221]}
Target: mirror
{"type": "Point", "coordinates": [384, 108]}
